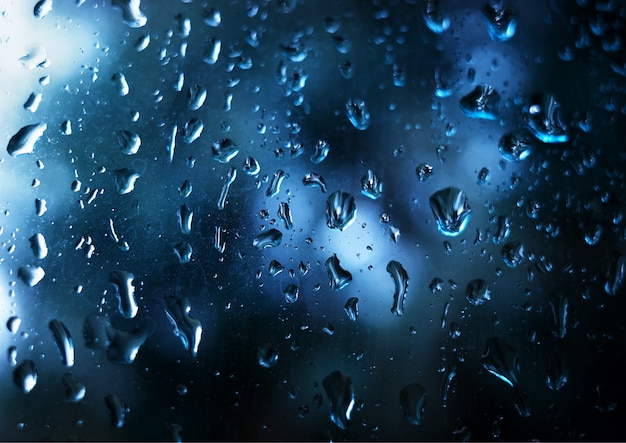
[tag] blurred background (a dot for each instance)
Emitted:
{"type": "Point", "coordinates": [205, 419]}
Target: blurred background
{"type": "Point", "coordinates": [132, 130]}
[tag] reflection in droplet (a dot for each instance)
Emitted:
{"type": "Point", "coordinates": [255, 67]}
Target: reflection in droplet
{"type": "Point", "coordinates": [339, 277]}
{"type": "Point", "coordinates": [183, 251]}
{"type": "Point", "coordinates": [482, 102]}
{"type": "Point", "coordinates": [322, 148]}
{"type": "Point", "coordinates": [185, 219]}
{"type": "Point", "coordinates": [23, 141]}
{"type": "Point", "coordinates": [437, 21]}
{"type": "Point", "coordinates": [121, 85]}
{"type": "Point", "coordinates": [514, 146]}
{"type": "Point", "coordinates": [251, 167]}
{"type": "Point", "coordinates": [42, 8]}
{"type": "Point", "coordinates": [340, 393]}
{"type": "Point", "coordinates": [412, 400]}
{"type": "Point", "coordinates": [340, 210]}
{"type": "Point", "coordinates": [291, 293]}
{"type": "Point", "coordinates": [401, 284]}
{"type": "Point", "coordinates": [186, 328]}
{"type": "Point", "coordinates": [314, 180]}
{"type": "Point", "coordinates": [451, 209]}
{"type": "Point", "coordinates": [74, 390]}
{"type": "Point", "coordinates": [123, 283]}
{"type": "Point", "coordinates": [268, 239]}
{"type": "Point", "coordinates": [64, 341]}
{"type": "Point", "coordinates": [25, 376]}
{"type": "Point", "coordinates": [284, 213]}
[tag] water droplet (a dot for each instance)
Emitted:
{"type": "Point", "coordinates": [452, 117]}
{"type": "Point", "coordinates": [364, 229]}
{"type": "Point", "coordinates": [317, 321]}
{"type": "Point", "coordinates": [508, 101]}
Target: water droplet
{"type": "Point", "coordinates": [131, 13]}
{"type": "Point", "coordinates": [436, 285]}
{"type": "Point", "coordinates": [125, 291]}
{"type": "Point", "coordinates": [358, 114]}
{"type": "Point", "coordinates": [340, 210]}
{"type": "Point", "coordinates": [142, 42]}
{"type": "Point", "coordinates": [398, 75]}
{"type": "Point", "coordinates": [448, 383]}
{"type": "Point", "coordinates": [30, 274]}
{"type": "Point", "coordinates": [39, 246]}
{"type": "Point", "coordinates": [183, 251]}
{"type": "Point", "coordinates": [520, 403]}
{"type": "Point", "coordinates": [121, 85]}
{"type": "Point", "coordinates": [543, 118]}
{"type": "Point", "coordinates": [437, 21]}
{"type": "Point", "coordinates": [501, 21]}
{"type": "Point", "coordinates": [556, 372]}
{"type": "Point", "coordinates": [13, 324]}
{"type": "Point", "coordinates": [593, 234]}
{"type": "Point", "coordinates": [42, 8]}
{"type": "Point", "coordinates": [185, 218]}
{"type": "Point", "coordinates": [274, 187]}
{"type": "Point", "coordinates": [412, 400]}
{"type": "Point", "coordinates": [477, 292]}
{"type": "Point", "coordinates": [559, 305]}
{"type": "Point", "coordinates": [291, 293]}
{"type": "Point", "coordinates": [371, 186]}
{"type": "Point", "coordinates": [25, 376]}
{"type": "Point", "coordinates": [192, 130]}
{"type": "Point", "coordinates": [500, 359]}
{"type": "Point", "coordinates": [23, 141]}
{"type": "Point", "coordinates": [341, 43]}
{"type": "Point", "coordinates": [514, 146]}
{"type": "Point", "coordinates": [275, 268]}
{"type": "Point", "coordinates": [186, 328]}
{"type": "Point", "coordinates": [33, 101]}
{"type": "Point", "coordinates": [74, 390]}
{"type": "Point", "coordinates": [503, 230]}
{"type": "Point", "coordinates": [212, 53]}
{"type": "Point", "coordinates": [185, 189]}
{"type": "Point", "coordinates": [339, 277]}
{"type": "Point", "coordinates": [483, 176]}
{"type": "Point", "coordinates": [423, 171]}
{"type": "Point", "coordinates": [615, 273]}
{"type": "Point", "coordinates": [64, 341]}
{"type": "Point", "coordinates": [604, 399]}
{"type": "Point", "coordinates": [268, 239]}
{"type": "Point", "coordinates": [346, 69]}
{"type": "Point", "coordinates": [184, 25]}
{"type": "Point", "coordinates": [401, 284]}
{"type": "Point", "coordinates": [451, 210]}
{"type": "Point", "coordinates": [314, 180]}
{"type": "Point", "coordinates": [125, 179]}
{"type": "Point", "coordinates": [340, 393]}
{"type": "Point", "coordinates": [224, 150]}
{"type": "Point", "coordinates": [95, 328]}
{"type": "Point", "coordinates": [482, 102]}
{"type": "Point", "coordinates": [352, 308]}
{"type": "Point", "coordinates": [124, 345]}
{"type": "Point", "coordinates": [284, 213]}
{"type": "Point", "coordinates": [513, 253]}
{"type": "Point", "coordinates": [322, 148]}
{"type": "Point", "coordinates": [117, 408]}
{"type": "Point", "coordinates": [129, 142]}
{"type": "Point", "coordinates": [267, 355]}
{"type": "Point", "coordinates": [228, 181]}
{"type": "Point", "coordinates": [251, 167]}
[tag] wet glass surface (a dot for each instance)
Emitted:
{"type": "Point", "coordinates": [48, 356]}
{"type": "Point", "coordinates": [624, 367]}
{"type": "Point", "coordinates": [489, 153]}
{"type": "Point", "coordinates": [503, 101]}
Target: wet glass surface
{"type": "Point", "coordinates": [312, 220]}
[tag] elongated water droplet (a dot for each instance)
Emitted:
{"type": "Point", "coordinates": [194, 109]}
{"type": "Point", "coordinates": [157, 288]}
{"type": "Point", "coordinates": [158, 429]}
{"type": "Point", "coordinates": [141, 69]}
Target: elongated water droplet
{"type": "Point", "coordinates": [129, 142]}
{"type": "Point", "coordinates": [556, 371]}
{"type": "Point", "coordinates": [31, 275]}
{"type": "Point", "coordinates": [142, 42]}
{"type": "Point", "coordinates": [435, 19]}
{"type": "Point", "coordinates": [74, 390]}
{"type": "Point", "coordinates": [251, 167]}
{"type": "Point", "coordinates": [314, 180]}
{"type": "Point", "coordinates": [121, 85]}
{"type": "Point", "coordinates": [482, 102]}
{"type": "Point", "coordinates": [117, 409]}
{"type": "Point", "coordinates": [352, 308]}
{"type": "Point", "coordinates": [131, 13]}
{"type": "Point", "coordinates": [451, 209]}
{"type": "Point", "coordinates": [413, 400]}
{"type": "Point", "coordinates": [192, 130]}
{"type": "Point", "coordinates": [23, 141]}
{"type": "Point", "coordinates": [25, 376]}
{"type": "Point", "coordinates": [38, 245]}
{"type": "Point", "coordinates": [291, 293]}
{"type": "Point", "coordinates": [33, 101]}
{"type": "Point", "coordinates": [212, 53]}
{"type": "Point", "coordinates": [185, 219]}
{"type": "Point", "coordinates": [543, 118]}
{"type": "Point", "coordinates": [125, 291]}
{"type": "Point", "coordinates": [41, 206]}
{"type": "Point", "coordinates": [401, 285]}
{"type": "Point", "coordinates": [477, 292]}
{"type": "Point", "coordinates": [171, 145]}
{"type": "Point", "coordinates": [340, 393]}
{"type": "Point", "coordinates": [183, 251]}
{"type": "Point", "coordinates": [186, 328]}
{"type": "Point", "coordinates": [64, 341]}
{"type": "Point", "coordinates": [339, 277]}
{"type": "Point", "coordinates": [500, 359]}
{"type": "Point", "coordinates": [559, 306]}
{"type": "Point", "coordinates": [42, 8]}
{"type": "Point", "coordinates": [448, 383]}
{"type": "Point", "coordinates": [229, 180]}
{"type": "Point", "coordinates": [371, 186]}
{"type": "Point", "coordinates": [340, 210]}
{"type": "Point", "coordinates": [358, 114]}
{"type": "Point", "coordinates": [196, 97]}
{"type": "Point", "coordinates": [503, 230]}
{"type": "Point", "coordinates": [274, 187]}
{"type": "Point", "coordinates": [268, 239]}
{"type": "Point", "coordinates": [615, 273]}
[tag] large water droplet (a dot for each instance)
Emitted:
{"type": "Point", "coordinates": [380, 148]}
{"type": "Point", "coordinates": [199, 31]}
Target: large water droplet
{"type": "Point", "coordinates": [340, 393]}
{"type": "Point", "coordinates": [274, 187]}
{"type": "Point", "coordinates": [74, 390]}
{"type": "Point", "coordinates": [25, 376]}
{"type": "Point", "coordinates": [340, 210]}
{"type": "Point", "coordinates": [38, 245]}
{"type": "Point", "coordinates": [186, 328]}
{"type": "Point", "coordinates": [358, 114]}
{"type": "Point", "coordinates": [559, 305]}
{"type": "Point", "coordinates": [482, 102]}
{"type": "Point", "coordinates": [451, 209]}
{"type": "Point", "coordinates": [339, 277]}
{"type": "Point", "coordinates": [291, 293]}
{"type": "Point", "coordinates": [120, 83]}
{"type": "Point", "coordinates": [23, 141]}
{"type": "Point", "coordinates": [117, 409]}
{"type": "Point", "coordinates": [224, 150]}
{"type": "Point", "coordinates": [401, 284]}
{"type": "Point", "coordinates": [543, 117]}
{"type": "Point", "coordinates": [371, 186]}
{"type": "Point", "coordinates": [185, 219]}
{"type": "Point", "coordinates": [64, 341]}
{"type": "Point", "coordinates": [125, 290]}
{"type": "Point", "coordinates": [42, 8]}
{"type": "Point", "coordinates": [514, 146]}
{"type": "Point", "coordinates": [268, 239]}
{"type": "Point", "coordinates": [322, 148]}
{"type": "Point", "coordinates": [31, 275]}
{"type": "Point", "coordinates": [192, 130]}
{"type": "Point", "coordinates": [129, 142]}
{"type": "Point", "coordinates": [125, 179]}
{"type": "Point", "coordinates": [615, 273]}
{"type": "Point", "coordinates": [212, 53]}
{"type": "Point", "coordinates": [412, 400]}
{"type": "Point", "coordinates": [556, 371]}
{"type": "Point", "coordinates": [513, 253]}
{"type": "Point", "coordinates": [477, 292]}
{"type": "Point", "coordinates": [501, 21]}
{"type": "Point", "coordinates": [124, 345]}
{"type": "Point", "coordinates": [500, 359]}
{"type": "Point", "coordinates": [183, 251]}
{"type": "Point", "coordinates": [435, 19]}
{"type": "Point", "coordinates": [267, 355]}
{"type": "Point", "coordinates": [131, 13]}
{"type": "Point", "coordinates": [352, 308]}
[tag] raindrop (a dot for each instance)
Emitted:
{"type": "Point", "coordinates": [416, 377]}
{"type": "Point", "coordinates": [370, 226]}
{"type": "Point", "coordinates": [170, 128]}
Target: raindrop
{"type": "Point", "coordinates": [339, 277]}
{"type": "Point", "coordinates": [371, 186]}
{"type": "Point", "coordinates": [228, 181]}
{"type": "Point", "coordinates": [13, 324]}
{"type": "Point", "coordinates": [358, 114]}
{"type": "Point", "coordinates": [437, 21]}
{"type": "Point", "coordinates": [352, 308]}
{"type": "Point", "coordinates": [284, 213]}
{"type": "Point", "coordinates": [23, 141]}
{"type": "Point", "coordinates": [340, 210]}
{"type": "Point", "coordinates": [33, 101]}
{"type": "Point", "coordinates": [501, 21]}
{"type": "Point", "coordinates": [615, 273]}
{"type": "Point", "coordinates": [185, 218]}
{"type": "Point", "coordinates": [124, 346]}
{"type": "Point", "coordinates": [25, 376]}
{"type": "Point", "coordinates": [42, 8]}
{"type": "Point", "coordinates": [275, 268]}
{"type": "Point", "coordinates": [121, 85]}
{"type": "Point", "coordinates": [514, 146]}
{"type": "Point", "coordinates": [74, 390]}
{"type": "Point", "coordinates": [451, 210]}
{"type": "Point", "coordinates": [268, 239]}
{"type": "Point", "coordinates": [423, 171]}
{"type": "Point", "coordinates": [39, 246]}
{"type": "Point", "coordinates": [125, 291]}
{"type": "Point", "coordinates": [142, 42]}
{"type": "Point", "coordinates": [267, 355]}
{"type": "Point", "coordinates": [183, 251]}
{"type": "Point", "coordinates": [129, 142]}
{"type": "Point", "coordinates": [412, 400]}
{"type": "Point", "coordinates": [500, 359]}
{"type": "Point", "coordinates": [251, 167]}
{"type": "Point", "coordinates": [213, 51]}
{"type": "Point", "coordinates": [192, 131]}
{"type": "Point", "coordinates": [314, 180]}
{"type": "Point", "coordinates": [322, 148]}
{"type": "Point", "coordinates": [64, 341]}
{"type": "Point", "coordinates": [117, 409]}
{"type": "Point", "coordinates": [401, 284]}
{"type": "Point", "coordinates": [274, 187]}
{"type": "Point", "coordinates": [482, 102]}
{"type": "Point", "coordinates": [224, 150]}
{"type": "Point", "coordinates": [503, 230]}
{"type": "Point", "coordinates": [556, 371]}
{"type": "Point", "coordinates": [31, 275]}
{"type": "Point", "coordinates": [513, 253]}
{"type": "Point", "coordinates": [125, 180]}
{"type": "Point", "coordinates": [543, 118]}
{"type": "Point", "coordinates": [559, 305]}
{"type": "Point", "coordinates": [186, 328]}
{"type": "Point", "coordinates": [196, 97]}
{"type": "Point", "coordinates": [478, 292]}
{"type": "Point", "coordinates": [291, 293]}
{"type": "Point", "coordinates": [340, 393]}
